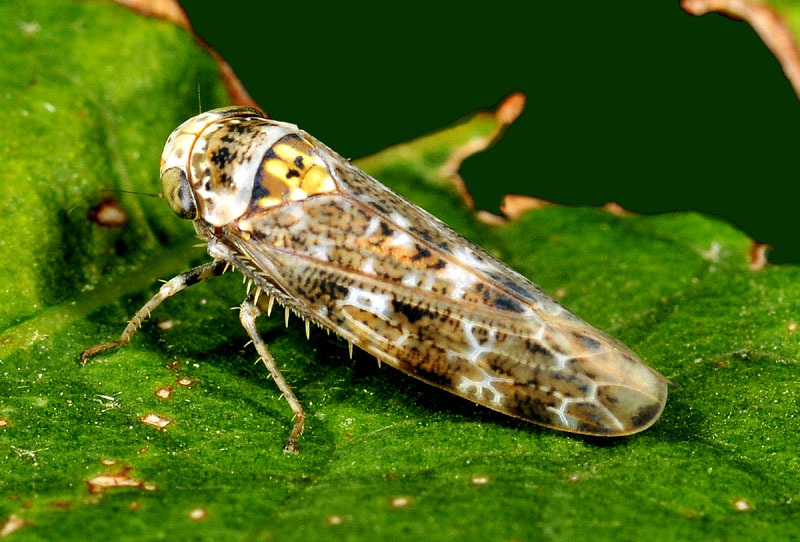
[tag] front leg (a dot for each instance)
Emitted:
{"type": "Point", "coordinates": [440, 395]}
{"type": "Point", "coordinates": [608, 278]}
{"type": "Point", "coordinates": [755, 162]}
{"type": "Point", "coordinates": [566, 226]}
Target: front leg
{"type": "Point", "coordinates": [171, 287]}
{"type": "Point", "coordinates": [248, 314]}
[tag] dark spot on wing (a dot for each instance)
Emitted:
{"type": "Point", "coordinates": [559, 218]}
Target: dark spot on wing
{"type": "Point", "coordinates": [514, 285]}
{"type": "Point", "coordinates": [386, 231]}
{"type": "Point", "coordinates": [646, 414]}
{"type": "Point", "coordinates": [332, 289]}
{"type": "Point", "coordinates": [410, 311]}
{"type": "Point", "coordinates": [506, 303]}
{"type": "Point", "coordinates": [588, 342]}
{"type": "Point", "coordinates": [536, 348]}
{"type": "Point", "coordinates": [422, 252]}
{"type": "Point", "coordinates": [422, 233]}
{"type": "Point", "coordinates": [379, 207]}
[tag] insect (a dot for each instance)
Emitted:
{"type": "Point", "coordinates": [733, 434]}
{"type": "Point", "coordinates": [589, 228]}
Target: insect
{"type": "Point", "coordinates": [329, 242]}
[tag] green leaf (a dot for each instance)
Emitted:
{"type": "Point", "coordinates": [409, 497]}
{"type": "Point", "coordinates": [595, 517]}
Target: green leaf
{"type": "Point", "coordinates": [90, 93]}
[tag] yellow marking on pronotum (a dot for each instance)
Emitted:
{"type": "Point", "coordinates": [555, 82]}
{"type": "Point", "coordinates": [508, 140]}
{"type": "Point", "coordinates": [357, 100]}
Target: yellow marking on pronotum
{"type": "Point", "coordinates": [334, 245]}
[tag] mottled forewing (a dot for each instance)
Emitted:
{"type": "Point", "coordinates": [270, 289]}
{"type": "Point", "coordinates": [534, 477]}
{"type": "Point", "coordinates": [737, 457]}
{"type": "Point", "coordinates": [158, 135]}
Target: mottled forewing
{"type": "Point", "coordinates": [398, 283]}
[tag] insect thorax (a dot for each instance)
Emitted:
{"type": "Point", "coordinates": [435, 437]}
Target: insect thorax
{"type": "Point", "coordinates": [245, 164]}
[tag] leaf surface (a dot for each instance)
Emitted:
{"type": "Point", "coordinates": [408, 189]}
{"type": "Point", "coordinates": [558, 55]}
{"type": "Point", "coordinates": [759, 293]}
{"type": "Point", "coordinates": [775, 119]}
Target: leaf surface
{"type": "Point", "coordinates": [91, 92]}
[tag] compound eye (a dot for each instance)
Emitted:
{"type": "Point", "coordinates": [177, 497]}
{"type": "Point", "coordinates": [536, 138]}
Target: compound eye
{"type": "Point", "coordinates": [178, 193]}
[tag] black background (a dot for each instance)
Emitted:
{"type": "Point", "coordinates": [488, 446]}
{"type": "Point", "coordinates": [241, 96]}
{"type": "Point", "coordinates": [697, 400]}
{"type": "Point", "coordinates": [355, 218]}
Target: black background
{"type": "Point", "coordinates": [633, 102]}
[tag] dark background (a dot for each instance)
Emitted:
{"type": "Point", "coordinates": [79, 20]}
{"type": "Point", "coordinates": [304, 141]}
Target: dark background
{"type": "Point", "coordinates": [633, 102]}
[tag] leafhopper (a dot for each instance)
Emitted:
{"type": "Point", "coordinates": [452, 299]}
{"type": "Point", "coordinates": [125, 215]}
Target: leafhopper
{"type": "Point", "coordinates": [330, 243]}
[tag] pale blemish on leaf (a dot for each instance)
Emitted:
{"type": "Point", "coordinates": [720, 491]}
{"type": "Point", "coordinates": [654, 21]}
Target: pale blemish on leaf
{"type": "Point", "coordinates": [29, 28]}
{"type": "Point", "coordinates": [713, 252]}
{"type": "Point", "coordinates": [165, 324]}
{"type": "Point", "coordinates": [186, 382]}
{"type": "Point", "coordinates": [164, 392]}
{"type": "Point", "coordinates": [25, 453]}
{"type": "Point", "coordinates": [108, 402]}
{"type": "Point", "coordinates": [479, 480]}
{"type": "Point", "coordinates": [13, 524]}
{"type": "Point", "coordinates": [400, 502]}
{"type": "Point", "coordinates": [101, 483]}
{"type": "Point", "coordinates": [334, 520]}
{"type": "Point", "coordinates": [198, 514]}
{"type": "Point", "coordinates": [108, 214]}
{"type": "Point", "coordinates": [155, 420]}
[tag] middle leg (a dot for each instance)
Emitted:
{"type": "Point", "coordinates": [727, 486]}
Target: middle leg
{"type": "Point", "coordinates": [248, 314]}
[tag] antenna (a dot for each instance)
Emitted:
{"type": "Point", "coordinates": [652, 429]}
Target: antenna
{"type": "Point", "coordinates": [158, 196]}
